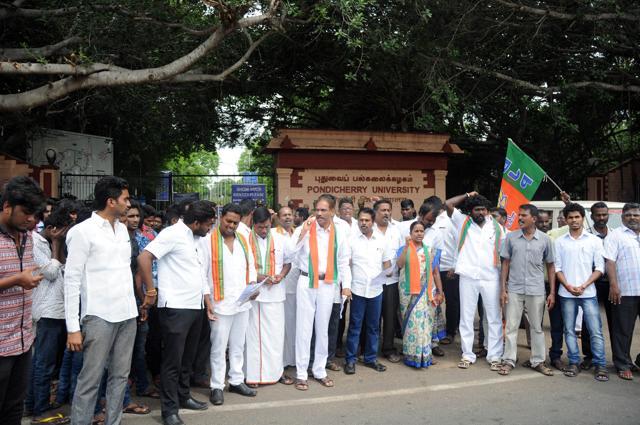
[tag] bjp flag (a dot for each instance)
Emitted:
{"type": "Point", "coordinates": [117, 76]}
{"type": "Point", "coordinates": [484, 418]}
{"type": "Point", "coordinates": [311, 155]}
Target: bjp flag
{"type": "Point", "coordinates": [521, 178]}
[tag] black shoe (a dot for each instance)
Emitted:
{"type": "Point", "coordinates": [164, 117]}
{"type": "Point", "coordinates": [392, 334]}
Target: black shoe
{"type": "Point", "coordinates": [586, 364]}
{"type": "Point", "coordinates": [242, 389]}
{"type": "Point", "coordinates": [193, 404]}
{"type": "Point", "coordinates": [349, 368]}
{"type": "Point", "coordinates": [437, 351]}
{"type": "Point", "coordinates": [172, 420]}
{"type": "Point", "coordinates": [378, 367]}
{"type": "Point", "coordinates": [394, 357]}
{"type": "Point", "coordinates": [216, 397]}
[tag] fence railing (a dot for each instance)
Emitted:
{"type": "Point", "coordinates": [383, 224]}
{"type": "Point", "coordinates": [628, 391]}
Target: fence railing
{"type": "Point", "coordinates": [164, 189]}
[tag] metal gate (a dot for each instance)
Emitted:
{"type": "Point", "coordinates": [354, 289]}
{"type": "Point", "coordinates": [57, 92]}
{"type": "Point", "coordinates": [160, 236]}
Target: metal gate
{"type": "Point", "coordinates": [163, 189]}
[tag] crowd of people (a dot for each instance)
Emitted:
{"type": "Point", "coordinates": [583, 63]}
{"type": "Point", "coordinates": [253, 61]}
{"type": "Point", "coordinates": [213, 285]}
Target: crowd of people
{"type": "Point", "coordinates": [100, 302]}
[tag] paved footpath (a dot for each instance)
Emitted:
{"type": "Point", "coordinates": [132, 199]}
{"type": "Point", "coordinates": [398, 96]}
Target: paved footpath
{"type": "Point", "coordinates": [442, 394]}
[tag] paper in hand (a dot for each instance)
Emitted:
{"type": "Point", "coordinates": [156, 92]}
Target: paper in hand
{"type": "Point", "coordinates": [250, 291]}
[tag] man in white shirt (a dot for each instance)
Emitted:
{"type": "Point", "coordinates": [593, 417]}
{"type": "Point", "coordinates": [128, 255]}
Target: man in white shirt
{"type": "Point", "coordinates": [230, 267]}
{"type": "Point", "coordinates": [370, 255]}
{"type": "Point", "coordinates": [390, 294]}
{"type": "Point", "coordinates": [182, 289]}
{"type": "Point", "coordinates": [579, 263]}
{"type": "Point", "coordinates": [622, 252]}
{"type": "Point", "coordinates": [265, 332]}
{"type": "Point", "coordinates": [450, 280]}
{"type": "Point", "coordinates": [287, 231]}
{"type": "Point", "coordinates": [478, 260]}
{"type": "Point", "coordinates": [98, 281]}
{"type": "Point", "coordinates": [323, 259]}
{"type": "Point", "coordinates": [247, 206]}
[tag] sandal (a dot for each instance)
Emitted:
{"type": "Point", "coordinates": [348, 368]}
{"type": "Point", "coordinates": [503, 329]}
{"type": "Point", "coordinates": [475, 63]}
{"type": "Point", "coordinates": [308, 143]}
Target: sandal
{"type": "Point", "coordinates": [627, 375]}
{"type": "Point", "coordinates": [571, 371]}
{"type": "Point", "coordinates": [464, 364]}
{"type": "Point", "coordinates": [446, 340]}
{"type": "Point", "coordinates": [98, 419]}
{"type": "Point", "coordinates": [543, 369]}
{"type": "Point", "coordinates": [137, 409]}
{"type": "Point", "coordinates": [601, 374]}
{"type": "Point", "coordinates": [286, 380]}
{"type": "Point", "coordinates": [557, 363]}
{"type": "Point", "coordinates": [496, 366]}
{"type": "Point", "coordinates": [326, 381]}
{"type": "Point", "coordinates": [150, 393]}
{"type": "Point", "coordinates": [333, 366]}
{"type": "Point", "coordinates": [505, 369]}
{"type": "Point", "coordinates": [302, 385]}
{"type": "Point", "coordinates": [252, 385]}
{"type": "Point", "coordinates": [55, 419]}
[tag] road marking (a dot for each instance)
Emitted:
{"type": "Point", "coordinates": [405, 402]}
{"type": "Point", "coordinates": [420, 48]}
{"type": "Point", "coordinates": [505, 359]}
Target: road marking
{"type": "Point", "coordinates": [366, 396]}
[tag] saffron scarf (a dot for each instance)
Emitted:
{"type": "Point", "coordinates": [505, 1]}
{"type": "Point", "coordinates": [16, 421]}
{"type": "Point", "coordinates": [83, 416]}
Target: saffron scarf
{"type": "Point", "coordinates": [269, 267]}
{"type": "Point", "coordinates": [331, 274]}
{"type": "Point", "coordinates": [496, 245]}
{"type": "Point", "coordinates": [217, 270]}
{"type": "Point", "coordinates": [413, 284]}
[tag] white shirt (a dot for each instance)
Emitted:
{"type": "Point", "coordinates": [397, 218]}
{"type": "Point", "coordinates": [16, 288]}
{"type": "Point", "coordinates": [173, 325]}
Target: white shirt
{"type": "Point", "coordinates": [181, 279]}
{"type": "Point", "coordinates": [393, 240]}
{"type": "Point", "coordinates": [244, 230]}
{"type": "Point", "coordinates": [277, 292]}
{"type": "Point", "coordinates": [476, 260]}
{"type": "Point", "coordinates": [577, 259]}
{"type": "Point", "coordinates": [353, 226]}
{"type": "Point", "coordinates": [622, 246]}
{"type": "Point", "coordinates": [445, 227]}
{"type": "Point", "coordinates": [291, 280]}
{"type": "Point", "coordinates": [367, 256]}
{"type": "Point", "coordinates": [48, 296]}
{"type": "Point", "coordinates": [344, 254]}
{"type": "Point", "coordinates": [98, 273]}
{"type": "Point", "coordinates": [234, 272]}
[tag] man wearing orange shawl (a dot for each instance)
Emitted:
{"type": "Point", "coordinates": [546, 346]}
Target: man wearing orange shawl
{"type": "Point", "coordinates": [265, 333]}
{"type": "Point", "coordinates": [230, 266]}
{"type": "Point", "coordinates": [322, 254]}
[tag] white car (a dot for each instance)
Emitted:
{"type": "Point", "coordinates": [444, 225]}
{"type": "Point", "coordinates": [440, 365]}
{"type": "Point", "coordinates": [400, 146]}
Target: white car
{"type": "Point", "coordinates": [615, 211]}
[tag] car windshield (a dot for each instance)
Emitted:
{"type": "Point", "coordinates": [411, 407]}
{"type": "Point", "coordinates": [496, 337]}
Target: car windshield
{"type": "Point", "coordinates": [615, 218]}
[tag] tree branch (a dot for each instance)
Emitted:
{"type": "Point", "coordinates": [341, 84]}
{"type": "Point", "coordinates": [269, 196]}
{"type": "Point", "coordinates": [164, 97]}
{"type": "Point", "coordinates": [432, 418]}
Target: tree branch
{"type": "Point", "coordinates": [101, 75]}
{"type": "Point", "coordinates": [37, 52]}
{"type": "Point", "coordinates": [568, 16]}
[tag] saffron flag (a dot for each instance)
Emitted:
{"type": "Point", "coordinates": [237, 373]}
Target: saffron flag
{"type": "Point", "coordinates": [521, 178]}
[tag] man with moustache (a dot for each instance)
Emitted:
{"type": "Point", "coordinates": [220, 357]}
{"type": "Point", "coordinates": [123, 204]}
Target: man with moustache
{"type": "Point", "coordinates": [370, 255]}
{"type": "Point", "coordinates": [183, 289]}
{"type": "Point", "coordinates": [230, 266]}
{"type": "Point", "coordinates": [99, 295]}
{"type": "Point", "coordinates": [525, 253]}
{"type": "Point", "coordinates": [323, 258]}
{"type": "Point", "coordinates": [21, 201]}
{"type": "Point", "coordinates": [622, 254]}
{"type": "Point", "coordinates": [480, 237]}
{"type": "Point", "coordinates": [300, 215]}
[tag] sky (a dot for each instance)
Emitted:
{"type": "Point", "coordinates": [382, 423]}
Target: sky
{"type": "Point", "coordinates": [229, 160]}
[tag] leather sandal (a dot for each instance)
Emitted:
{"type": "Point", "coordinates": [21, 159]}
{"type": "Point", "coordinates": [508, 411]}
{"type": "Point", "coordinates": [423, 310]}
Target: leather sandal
{"type": "Point", "coordinates": [378, 367]}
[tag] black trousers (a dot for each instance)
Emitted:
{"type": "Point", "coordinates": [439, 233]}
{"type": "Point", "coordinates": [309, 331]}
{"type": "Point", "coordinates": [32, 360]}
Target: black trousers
{"type": "Point", "coordinates": [202, 362]}
{"type": "Point", "coordinates": [154, 343]}
{"type": "Point", "coordinates": [451, 287]}
{"type": "Point", "coordinates": [602, 291]}
{"type": "Point", "coordinates": [180, 333]}
{"type": "Point", "coordinates": [14, 379]}
{"type": "Point", "coordinates": [624, 319]}
{"type": "Point", "coordinates": [390, 321]}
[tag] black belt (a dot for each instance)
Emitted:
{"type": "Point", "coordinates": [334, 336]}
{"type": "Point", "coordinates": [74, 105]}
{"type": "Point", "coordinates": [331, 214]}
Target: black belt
{"type": "Point", "coordinates": [320, 276]}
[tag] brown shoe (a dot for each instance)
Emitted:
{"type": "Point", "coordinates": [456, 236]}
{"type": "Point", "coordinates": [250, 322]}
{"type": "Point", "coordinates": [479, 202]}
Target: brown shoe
{"type": "Point", "coordinates": [394, 357]}
{"type": "Point", "coordinates": [331, 365]}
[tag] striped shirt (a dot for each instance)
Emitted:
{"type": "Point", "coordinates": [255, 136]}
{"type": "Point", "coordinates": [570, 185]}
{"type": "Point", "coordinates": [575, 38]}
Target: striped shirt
{"type": "Point", "coordinates": [16, 335]}
{"type": "Point", "coordinates": [622, 246]}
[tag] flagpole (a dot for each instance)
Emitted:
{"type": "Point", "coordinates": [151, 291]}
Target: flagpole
{"type": "Point", "coordinates": [546, 176]}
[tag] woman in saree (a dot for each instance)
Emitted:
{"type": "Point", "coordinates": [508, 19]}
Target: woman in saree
{"type": "Point", "coordinates": [420, 293]}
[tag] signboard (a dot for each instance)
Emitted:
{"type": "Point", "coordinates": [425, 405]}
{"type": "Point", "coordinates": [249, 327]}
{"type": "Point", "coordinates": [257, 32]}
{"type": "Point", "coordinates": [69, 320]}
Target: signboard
{"type": "Point", "coordinates": [164, 188]}
{"type": "Point", "coordinates": [256, 192]}
{"type": "Point", "coordinates": [249, 177]}
{"type": "Point", "coordinates": [180, 197]}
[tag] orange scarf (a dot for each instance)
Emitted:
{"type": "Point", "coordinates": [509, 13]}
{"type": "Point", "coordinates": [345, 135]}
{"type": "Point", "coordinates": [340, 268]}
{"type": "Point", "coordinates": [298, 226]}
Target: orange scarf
{"type": "Point", "coordinates": [331, 274]}
{"type": "Point", "coordinates": [268, 268]}
{"type": "Point", "coordinates": [413, 284]}
{"type": "Point", "coordinates": [217, 269]}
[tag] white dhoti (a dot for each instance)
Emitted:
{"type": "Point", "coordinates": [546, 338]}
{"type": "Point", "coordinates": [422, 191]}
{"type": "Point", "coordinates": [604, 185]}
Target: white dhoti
{"type": "Point", "coordinates": [289, 353]}
{"type": "Point", "coordinates": [228, 329]}
{"type": "Point", "coordinates": [470, 289]}
{"type": "Point", "coordinates": [265, 342]}
{"type": "Point", "coordinates": [312, 305]}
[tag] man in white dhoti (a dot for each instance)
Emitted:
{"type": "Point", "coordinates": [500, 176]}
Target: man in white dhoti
{"type": "Point", "coordinates": [230, 266]}
{"type": "Point", "coordinates": [265, 333]}
{"type": "Point", "coordinates": [323, 258]}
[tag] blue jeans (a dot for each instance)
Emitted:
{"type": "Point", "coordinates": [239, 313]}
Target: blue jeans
{"type": "Point", "coordinates": [139, 362]}
{"type": "Point", "coordinates": [369, 310]}
{"type": "Point", "coordinates": [557, 328]}
{"type": "Point", "coordinates": [591, 317]}
{"type": "Point", "coordinates": [51, 336]}
{"type": "Point", "coordinates": [69, 371]}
